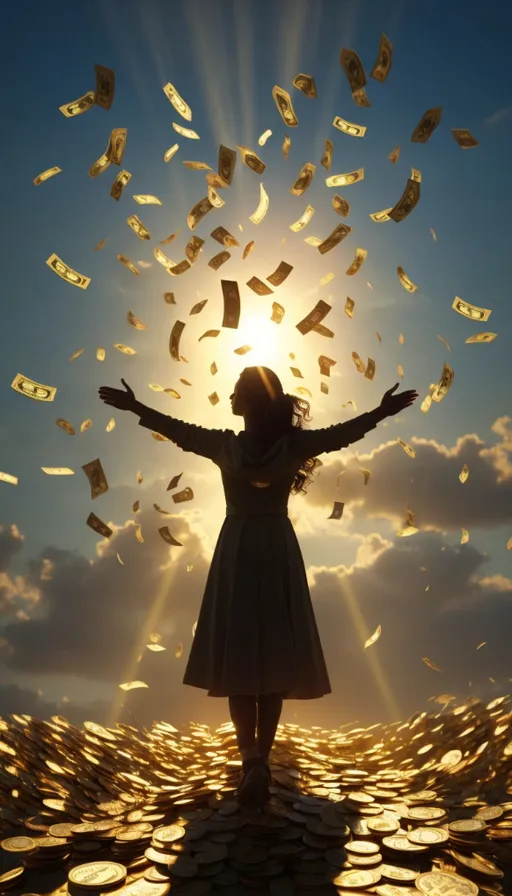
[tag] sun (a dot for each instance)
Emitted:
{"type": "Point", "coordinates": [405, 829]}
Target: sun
{"type": "Point", "coordinates": [261, 334]}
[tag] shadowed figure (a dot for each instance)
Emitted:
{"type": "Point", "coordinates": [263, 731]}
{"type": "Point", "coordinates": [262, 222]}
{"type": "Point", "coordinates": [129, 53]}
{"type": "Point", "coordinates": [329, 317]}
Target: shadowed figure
{"type": "Point", "coordinates": [256, 640]}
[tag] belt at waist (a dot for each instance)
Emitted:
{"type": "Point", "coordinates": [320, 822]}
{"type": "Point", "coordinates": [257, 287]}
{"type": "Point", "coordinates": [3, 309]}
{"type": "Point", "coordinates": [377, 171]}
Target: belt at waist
{"type": "Point", "coordinates": [282, 511]}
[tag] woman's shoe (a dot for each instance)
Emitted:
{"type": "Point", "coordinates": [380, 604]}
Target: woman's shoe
{"type": "Point", "coordinates": [253, 790]}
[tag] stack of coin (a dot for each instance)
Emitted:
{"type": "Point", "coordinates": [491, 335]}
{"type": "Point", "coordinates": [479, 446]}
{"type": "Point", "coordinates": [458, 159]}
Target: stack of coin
{"type": "Point", "coordinates": [468, 834]}
{"type": "Point", "coordinates": [49, 852]}
{"type": "Point", "coordinates": [12, 879]}
{"type": "Point", "coordinates": [102, 876]}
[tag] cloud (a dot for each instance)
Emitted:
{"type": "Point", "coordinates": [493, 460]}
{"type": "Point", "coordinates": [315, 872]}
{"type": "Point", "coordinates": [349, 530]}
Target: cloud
{"type": "Point", "coordinates": [428, 483]}
{"type": "Point", "coordinates": [499, 115]}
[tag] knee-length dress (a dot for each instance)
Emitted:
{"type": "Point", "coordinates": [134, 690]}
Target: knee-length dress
{"type": "Point", "coordinates": [256, 631]}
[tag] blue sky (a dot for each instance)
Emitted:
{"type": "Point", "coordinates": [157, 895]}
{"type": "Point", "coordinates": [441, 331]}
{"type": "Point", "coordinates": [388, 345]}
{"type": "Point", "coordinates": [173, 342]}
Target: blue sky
{"type": "Point", "coordinates": [224, 58]}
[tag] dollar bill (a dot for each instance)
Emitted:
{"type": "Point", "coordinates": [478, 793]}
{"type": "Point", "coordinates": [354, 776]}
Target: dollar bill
{"type": "Point", "coordinates": [86, 425]}
{"type": "Point", "coordinates": [323, 331]}
{"type": "Point", "coordinates": [166, 535]}
{"type": "Point", "coordinates": [370, 369]}
{"type": "Point", "coordinates": [394, 154]}
{"type": "Point", "coordinates": [226, 164]}
{"type": "Point", "coordinates": [427, 125]}
{"type": "Point", "coordinates": [174, 339]}
{"type": "Point", "coordinates": [353, 68]}
{"type": "Point", "coordinates": [277, 313]}
{"type": "Point", "coordinates": [100, 245]}
{"type": "Point", "coordinates": [96, 476]}
{"type": "Point", "coordinates": [169, 298]}
{"type": "Point", "coordinates": [122, 259]}
{"type": "Point", "coordinates": [100, 165]}
{"type": "Point", "coordinates": [147, 199]}
{"type": "Point", "coordinates": [380, 217]}
{"type": "Point", "coordinates": [99, 526]}
{"type": "Point", "coordinates": [79, 106]}
{"type": "Point", "coordinates": [473, 312]}
{"type": "Point", "coordinates": [224, 237]}
{"type": "Point", "coordinates": [260, 288]}
{"type": "Point", "coordinates": [444, 384]}
{"type": "Point", "coordinates": [117, 145]}
{"type": "Point", "coordinates": [304, 219]}
{"type": "Point", "coordinates": [214, 197]}
{"type": "Point", "coordinates": [66, 273]}
{"type": "Point", "coordinates": [325, 365]}
{"type": "Point", "coordinates": [32, 389]}
{"type": "Point", "coordinates": [324, 388]}
{"type": "Point", "coordinates": [119, 184]}
{"type": "Point", "coordinates": [8, 477]}
{"type": "Point", "coordinates": [327, 156]}
{"type": "Point", "coordinates": [213, 398]}
{"type": "Point", "coordinates": [182, 108]}
{"type": "Point", "coordinates": [45, 175]}
{"type": "Point", "coordinates": [219, 259]}
{"type": "Point", "coordinates": [314, 317]}
{"type": "Point", "coordinates": [243, 350]}
{"type": "Point", "coordinates": [407, 202]}
{"type": "Point", "coordinates": [296, 372]}
{"type": "Point", "coordinates": [196, 309]}
{"type": "Point", "coordinates": [66, 426]}
{"type": "Point", "coordinates": [250, 159]}
{"type": "Point", "coordinates": [481, 337]}
{"type": "Point", "coordinates": [193, 248]}
{"type": "Point", "coordinates": [58, 471]}
{"type": "Point", "coordinates": [209, 333]}
{"type": "Point", "coordinates": [163, 259]}
{"type": "Point", "coordinates": [231, 296]}
{"type": "Point", "coordinates": [105, 86]}
{"type": "Point", "coordinates": [135, 322]}
{"type": "Point", "coordinates": [169, 153]}
{"type": "Point", "coordinates": [434, 234]}
{"type": "Point", "coordinates": [304, 179]}
{"type": "Point", "coordinates": [198, 211]}
{"type": "Point", "coordinates": [306, 84]}
{"type": "Point", "coordinates": [400, 370]}
{"type": "Point", "coordinates": [248, 249]}
{"type": "Point", "coordinates": [349, 307]}
{"type": "Point", "coordinates": [284, 105]}
{"type": "Point", "coordinates": [360, 365]}
{"type": "Point", "coordinates": [264, 137]}
{"type": "Point", "coordinates": [415, 175]}
{"type": "Point", "coordinates": [464, 138]}
{"type": "Point", "coordinates": [312, 240]}
{"type": "Point", "coordinates": [348, 127]}
{"type": "Point", "coordinates": [280, 274]}
{"type": "Point", "coordinates": [138, 227]}
{"type": "Point", "coordinates": [340, 206]}
{"type": "Point", "coordinates": [180, 268]}
{"type": "Point", "coordinates": [286, 146]}
{"type": "Point", "coordinates": [100, 354]}
{"type": "Point", "coordinates": [337, 510]}
{"type": "Point", "coordinates": [405, 280]}
{"type": "Point", "coordinates": [185, 132]}
{"type": "Point", "coordinates": [344, 180]}
{"type": "Point", "coordinates": [358, 260]}
{"type": "Point", "coordinates": [76, 354]}
{"type": "Point", "coordinates": [197, 166]}
{"type": "Point", "coordinates": [360, 98]}
{"type": "Point", "coordinates": [382, 66]}
{"type": "Point", "coordinates": [262, 207]}
{"type": "Point", "coordinates": [338, 234]}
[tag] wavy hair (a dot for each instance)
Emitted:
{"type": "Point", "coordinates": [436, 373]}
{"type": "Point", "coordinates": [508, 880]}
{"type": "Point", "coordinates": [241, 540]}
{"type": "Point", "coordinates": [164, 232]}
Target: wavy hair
{"type": "Point", "coordinates": [278, 413]}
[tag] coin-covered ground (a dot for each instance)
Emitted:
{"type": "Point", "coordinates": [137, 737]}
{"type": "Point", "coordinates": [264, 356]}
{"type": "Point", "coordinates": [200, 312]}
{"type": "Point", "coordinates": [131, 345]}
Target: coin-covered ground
{"type": "Point", "coordinates": [420, 806]}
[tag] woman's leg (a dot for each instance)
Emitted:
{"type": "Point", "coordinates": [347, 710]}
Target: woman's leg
{"type": "Point", "coordinates": [242, 708]}
{"type": "Point", "coordinates": [269, 712]}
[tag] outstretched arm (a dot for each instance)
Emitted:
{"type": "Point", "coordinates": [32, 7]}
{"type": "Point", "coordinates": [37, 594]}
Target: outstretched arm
{"type": "Point", "coordinates": [309, 443]}
{"type": "Point", "coordinates": [188, 436]}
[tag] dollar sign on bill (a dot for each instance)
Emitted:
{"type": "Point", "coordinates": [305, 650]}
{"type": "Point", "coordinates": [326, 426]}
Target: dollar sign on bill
{"type": "Point", "coordinates": [284, 105]}
{"type": "Point", "coordinates": [96, 476]}
{"type": "Point", "coordinates": [306, 84]}
{"type": "Point", "coordinates": [231, 296]}
{"type": "Point", "coordinates": [105, 86]}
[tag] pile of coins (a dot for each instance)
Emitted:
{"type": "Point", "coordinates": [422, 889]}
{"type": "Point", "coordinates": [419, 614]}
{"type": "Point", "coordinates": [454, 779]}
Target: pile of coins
{"type": "Point", "coordinates": [122, 811]}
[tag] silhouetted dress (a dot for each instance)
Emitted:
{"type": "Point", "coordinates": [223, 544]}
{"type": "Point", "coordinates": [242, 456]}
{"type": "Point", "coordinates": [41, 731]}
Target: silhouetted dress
{"type": "Point", "coordinates": [256, 631]}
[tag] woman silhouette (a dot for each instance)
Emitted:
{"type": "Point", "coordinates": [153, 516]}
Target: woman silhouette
{"type": "Point", "coordinates": [256, 640]}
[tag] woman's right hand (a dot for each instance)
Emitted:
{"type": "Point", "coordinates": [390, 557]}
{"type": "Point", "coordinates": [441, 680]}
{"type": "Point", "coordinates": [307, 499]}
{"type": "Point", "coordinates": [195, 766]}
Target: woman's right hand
{"type": "Point", "coordinates": [117, 398]}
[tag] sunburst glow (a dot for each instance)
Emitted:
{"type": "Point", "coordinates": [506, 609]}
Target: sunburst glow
{"type": "Point", "coordinates": [261, 334]}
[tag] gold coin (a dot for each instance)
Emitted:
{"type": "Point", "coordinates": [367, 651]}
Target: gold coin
{"type": "Point", "coordinates": [446, 882]}
{"type": "Point", "coordinates": [397, 873]}
{"type": "Point", "coordinates": [423, 813]}
{"type": "Point", "coordinates": [392, 890]}
{"type": "Point", "coordinates": [428, 836]}
{"type": "Point", "coordinates": [383, 825]}
{"type": "Point", "coordinates": [400, 843]}
{"type": "Point", "coordinates": [361, 798]}
{"type": "Point", "coordinates": [18, 844]}
{"type": "Point", "coordinates": [362, 847]}
{"type": "Point", "coordinates": [97, 874]}
{"type": "Point", "coordinates": [8, 877]}
{"type": "Point", "coordinates": [365, 878]}
{"type": "Point", "coordinates": [169, 834]}
{"type": "Point", "coordinates": [467, 826]}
